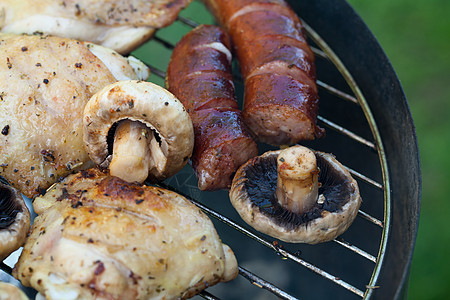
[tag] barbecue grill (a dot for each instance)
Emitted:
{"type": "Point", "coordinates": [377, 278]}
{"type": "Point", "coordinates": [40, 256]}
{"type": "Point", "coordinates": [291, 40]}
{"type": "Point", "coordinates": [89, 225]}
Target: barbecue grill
{"type": "Point", "coordinates": [369, 129]}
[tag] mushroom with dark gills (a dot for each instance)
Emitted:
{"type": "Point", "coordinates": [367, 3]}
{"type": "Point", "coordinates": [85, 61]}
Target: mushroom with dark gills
{"type": "Point", "coordinates": [296, 195]}
{"type": "Point", "coordinates": [139, 130]}
{"type": "Point", "coordinates": [14, 220]}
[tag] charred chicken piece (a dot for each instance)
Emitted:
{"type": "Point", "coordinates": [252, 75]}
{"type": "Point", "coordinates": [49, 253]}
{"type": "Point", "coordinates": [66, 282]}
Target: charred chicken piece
{"type": "Point", "coordinates": [45, 83]}
{"type": "Point", "coordinates": [121, 25]}
{"type": "Point", "coordinates": [99, 236]}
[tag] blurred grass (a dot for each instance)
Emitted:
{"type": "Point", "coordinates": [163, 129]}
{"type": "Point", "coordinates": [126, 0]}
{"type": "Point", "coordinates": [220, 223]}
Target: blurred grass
{"type": "Point", "coordinates": [416, 37]}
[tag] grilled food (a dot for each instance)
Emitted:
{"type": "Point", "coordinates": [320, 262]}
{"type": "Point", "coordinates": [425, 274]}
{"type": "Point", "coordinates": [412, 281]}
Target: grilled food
{"type": "Point", "coordinates": [199, 74]}
{"type": "Point", "coordinates": [281, 101]}
{"type": "Point", "coordinates": [297, 195]}
{"type": "Point", "coordinates": [45, 83]}
{"type": "Point", "coordinates": [14, 220]}
{"type": "Point", "coordinates": [99, 236]}
{"type": "Point", "coordinates": [153, 134]}
{"type": "Point", "coordinates": [121, 25]}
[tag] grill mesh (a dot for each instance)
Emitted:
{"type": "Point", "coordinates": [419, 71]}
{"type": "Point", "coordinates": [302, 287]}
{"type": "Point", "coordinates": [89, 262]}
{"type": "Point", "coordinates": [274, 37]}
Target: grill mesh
{"type": "Point", "coordinates": [189, 189]}
{"type": "Point", "coordinates": [347, 267]}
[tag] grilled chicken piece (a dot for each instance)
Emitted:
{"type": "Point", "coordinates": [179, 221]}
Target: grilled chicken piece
{"type": "Point", "coordinates": [97, 236]}
{"type": "Point", "coordinates": [45, 83]}
{"type": "Point", "coordinates": [121, 25]}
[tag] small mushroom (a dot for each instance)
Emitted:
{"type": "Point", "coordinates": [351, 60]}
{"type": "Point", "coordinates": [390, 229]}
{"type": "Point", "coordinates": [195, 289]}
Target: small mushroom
{"type": "Point", "coordinates": [296, 195]}
{"type": "Point", "coordinates": [14, 220]}
{"type": "Point", "coordinates": [139, 130]}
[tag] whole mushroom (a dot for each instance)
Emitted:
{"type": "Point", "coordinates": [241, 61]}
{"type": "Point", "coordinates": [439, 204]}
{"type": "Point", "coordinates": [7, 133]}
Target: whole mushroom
{"type": "Point", "coordinates": [139, 130]}
{"type": "Point", "coordinates": [14, 220]}
{"type": "Point", "coordinates": [296, 195]}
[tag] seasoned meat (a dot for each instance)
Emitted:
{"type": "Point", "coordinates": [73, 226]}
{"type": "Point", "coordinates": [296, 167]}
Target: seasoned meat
{"type": "Point", "coordinates": [281, 100]}
{"type": "Point", "coordinates": [45, 83]}
{"type": "Point", "coordinates": [118, 24]}
{"type": "Point", "coordinates": [98, 237]}
{"type": "Point", "coordinates": [199, 74]}
{"type": "Point", "coordinates": [221, 145]}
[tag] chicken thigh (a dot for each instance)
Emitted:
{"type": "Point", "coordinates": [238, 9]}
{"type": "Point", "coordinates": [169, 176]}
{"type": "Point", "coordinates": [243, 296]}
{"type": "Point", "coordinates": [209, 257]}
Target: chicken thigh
{"type": "Point", "coordinates": [45, 83]}
{"type": "Point", "coordinates": [121, 25]}
{"type": "Point", "coordinates": [98, 237]}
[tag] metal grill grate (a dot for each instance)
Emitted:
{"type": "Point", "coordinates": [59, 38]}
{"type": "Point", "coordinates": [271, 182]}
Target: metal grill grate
{"type": "Point", "coordinates": [324, 53]}
{"type": "Point", "coordinates": [185, 183]}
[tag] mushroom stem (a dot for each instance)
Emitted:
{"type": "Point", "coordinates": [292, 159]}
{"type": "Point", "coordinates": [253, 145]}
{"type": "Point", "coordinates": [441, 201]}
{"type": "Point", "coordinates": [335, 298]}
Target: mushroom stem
{"type": "Point", "coordinates": [297, 183]}
{"type": "Point", "coordinates": [131, 154]}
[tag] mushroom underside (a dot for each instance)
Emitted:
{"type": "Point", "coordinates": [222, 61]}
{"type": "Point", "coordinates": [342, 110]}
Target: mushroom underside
{"type": "Point", "coordinates": [112, 130]}
{"type": "Point", "coordinates": [8, 208]}
{"type": "Point", "coordinates": [335, 190]}
{"type": "Point", "coordinates": [14, 220]}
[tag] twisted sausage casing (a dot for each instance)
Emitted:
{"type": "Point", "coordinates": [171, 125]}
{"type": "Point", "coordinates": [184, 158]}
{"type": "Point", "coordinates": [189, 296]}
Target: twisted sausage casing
{"type": "Point", "coordinates": [199, 75]}
{"type": "Point", "coordinates": [278, 68]}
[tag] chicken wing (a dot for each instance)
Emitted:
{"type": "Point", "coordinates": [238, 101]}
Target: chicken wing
{"type": "Point", "coordinates": [45, 83]}
{"type": "Point", "coordinates": [98, 237]}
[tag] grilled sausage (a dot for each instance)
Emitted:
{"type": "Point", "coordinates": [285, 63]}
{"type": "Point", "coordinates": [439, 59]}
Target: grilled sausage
{"type": "Point", "coordinates": [281, 99]}
{"type": "Point", "coordinates": [199, 75]}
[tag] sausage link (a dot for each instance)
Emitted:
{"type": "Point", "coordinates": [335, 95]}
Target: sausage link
{"type": "Point", "coordinates": [278, 67]}
{"type": "Point", "coordinates": [199, 75]}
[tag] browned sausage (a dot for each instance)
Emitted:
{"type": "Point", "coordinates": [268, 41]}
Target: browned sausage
{"type": "Point", "coordinates": [278, 67]}
{"type": "Point", "coordinates": [199, 75]}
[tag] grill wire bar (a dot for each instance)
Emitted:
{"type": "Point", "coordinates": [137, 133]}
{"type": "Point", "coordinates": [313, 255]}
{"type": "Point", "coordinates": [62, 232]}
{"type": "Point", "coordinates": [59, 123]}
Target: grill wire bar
{"type": "Point", "coordinates": [256, 280]}
{"type": "Point", "coordinates": [346, 132]}
{"type": "Point", "coordinates": [336, 92]}
{"type": "Point", "coordinates": [208, 296]}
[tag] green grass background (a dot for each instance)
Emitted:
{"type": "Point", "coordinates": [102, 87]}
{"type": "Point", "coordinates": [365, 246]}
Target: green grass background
{"type": "Point", "coordinates": [416, 37]}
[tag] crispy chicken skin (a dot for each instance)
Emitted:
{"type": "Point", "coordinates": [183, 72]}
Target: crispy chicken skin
{"type": "Point", "coordinates": [45, 83]}
{"type": "Point", "coordinates": [118, 24]}
{"type": "Point", "coordinates": [98, 237]}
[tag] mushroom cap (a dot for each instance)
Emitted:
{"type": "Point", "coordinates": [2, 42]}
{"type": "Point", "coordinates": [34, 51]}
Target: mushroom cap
{"type": "Point", "coordinates": [253, 196]}
{"type": "Point", "coordinates": [150, 104]}
{"type": "Point", "coordinates": [14, 220]}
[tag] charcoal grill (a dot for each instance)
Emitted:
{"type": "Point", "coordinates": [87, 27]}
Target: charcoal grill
{"type": "Point", "coordinates": [369, 129]}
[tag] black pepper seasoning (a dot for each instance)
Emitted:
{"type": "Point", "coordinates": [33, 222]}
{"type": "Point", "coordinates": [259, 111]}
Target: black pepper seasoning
{"type": "Point", "coordinates": [5, 130]}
